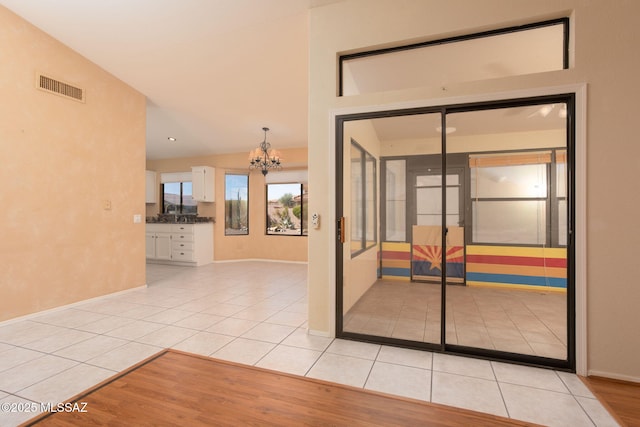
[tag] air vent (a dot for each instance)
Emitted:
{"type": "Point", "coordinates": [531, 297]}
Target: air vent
{"type": "Point", "coordinates": [58, 87]}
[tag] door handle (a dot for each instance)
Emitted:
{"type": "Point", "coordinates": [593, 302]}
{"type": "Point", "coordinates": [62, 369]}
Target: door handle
{"type": "Point", "coordinates": [341, 229]}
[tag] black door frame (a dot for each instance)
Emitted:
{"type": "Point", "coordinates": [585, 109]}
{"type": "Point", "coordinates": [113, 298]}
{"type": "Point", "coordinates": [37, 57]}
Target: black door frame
{"type": "Point", "coordinates": [570, 363]}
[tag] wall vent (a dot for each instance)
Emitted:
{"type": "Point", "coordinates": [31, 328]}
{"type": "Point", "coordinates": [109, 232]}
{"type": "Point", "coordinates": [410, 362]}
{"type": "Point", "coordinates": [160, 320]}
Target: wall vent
{"type": "Point", "coordinates": [51, 85]}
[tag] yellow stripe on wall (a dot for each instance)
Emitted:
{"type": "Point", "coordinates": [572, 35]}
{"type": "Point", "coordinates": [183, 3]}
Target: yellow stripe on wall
{"type": "Point", "coordinates": [519, 270]}
{"type": "Point", "coordinates": [397, 278]}
{"type": "Point", "coordinates": [396, 247]}
{"type": "Point", "coordinates": [513, 286]}
{"type": "Point", "coordinates": [517, 251]}
{"type": "Point", "coordinates": [396, 263]}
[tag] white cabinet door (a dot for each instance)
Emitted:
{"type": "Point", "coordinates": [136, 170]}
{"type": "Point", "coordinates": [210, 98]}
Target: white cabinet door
{"type": "Point", "coordinates": [180, 244]}
{"type": "Point", "coordinates": [203, 179]}
{"type": "Point", "coordinates": [150, 242]}
{"type": "Point", "coordinates": [163, 246]}
{"type": "Point", "coordinates": [151, 187]}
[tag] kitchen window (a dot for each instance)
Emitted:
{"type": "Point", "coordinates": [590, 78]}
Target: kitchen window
{"type": "Point", "coordinates": [178, 198]}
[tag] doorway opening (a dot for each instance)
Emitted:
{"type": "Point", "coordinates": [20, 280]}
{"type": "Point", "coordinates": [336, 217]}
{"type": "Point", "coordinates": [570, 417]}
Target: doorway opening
{"type": "Point", "coordinates": [469, 233]}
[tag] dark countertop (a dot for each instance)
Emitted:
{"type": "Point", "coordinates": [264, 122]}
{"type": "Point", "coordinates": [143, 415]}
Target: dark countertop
{"type": "Point", "coordinates": [179, 219]}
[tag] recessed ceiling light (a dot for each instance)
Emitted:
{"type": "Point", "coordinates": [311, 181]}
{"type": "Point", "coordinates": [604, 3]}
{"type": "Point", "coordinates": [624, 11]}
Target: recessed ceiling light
{"type": "Point", "coordinates": [172, 139]}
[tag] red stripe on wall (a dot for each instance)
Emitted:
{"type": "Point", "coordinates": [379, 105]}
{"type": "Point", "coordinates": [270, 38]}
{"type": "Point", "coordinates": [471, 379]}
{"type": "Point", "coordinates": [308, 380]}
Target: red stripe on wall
{"type": "Point", "coordinates": [396, 255]}
{"type": "Point", "coordinates": [517, 260]}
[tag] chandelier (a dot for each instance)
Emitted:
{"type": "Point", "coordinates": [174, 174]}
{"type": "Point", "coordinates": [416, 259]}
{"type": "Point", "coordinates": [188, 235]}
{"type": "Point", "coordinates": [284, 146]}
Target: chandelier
{"type": "Point", "coordinates": [263, 157]}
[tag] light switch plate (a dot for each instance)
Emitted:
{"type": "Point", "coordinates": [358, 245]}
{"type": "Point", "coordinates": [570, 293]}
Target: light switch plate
{"type": "Point", "coordinates": [137, 219]}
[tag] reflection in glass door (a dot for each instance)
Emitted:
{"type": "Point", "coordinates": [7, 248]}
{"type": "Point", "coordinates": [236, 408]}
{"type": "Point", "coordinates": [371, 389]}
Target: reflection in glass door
{"type": "Point", "coordinates": [489, 275]}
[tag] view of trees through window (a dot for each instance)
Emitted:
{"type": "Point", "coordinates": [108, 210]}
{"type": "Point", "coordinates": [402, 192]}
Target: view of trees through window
{"type": "Point", "coordinates": [178, 198]}
{"type": "Point", "coordinates": [287, 209]}
{"type": "Point", "coordinates": [236, 204]}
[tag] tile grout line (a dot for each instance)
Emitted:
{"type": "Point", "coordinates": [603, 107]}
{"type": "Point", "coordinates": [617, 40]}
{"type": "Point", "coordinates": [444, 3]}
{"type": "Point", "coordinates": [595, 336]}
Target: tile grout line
{"type": "Point", "coordinates": [504, 402]}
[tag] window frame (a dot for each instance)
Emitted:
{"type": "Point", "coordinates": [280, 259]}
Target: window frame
{"type": "Point", "coordinates": [366, 158]}
{"type": "Point", "coordinates": [564, 21]}
{"type": "Point", "coordinates": [304, 228]}
{"type": "Point", "coordinates": [181, 205]}
{"type": "Point", "coordinates": [226, 228]}
{"type": "Point", "coordinates": [551, 201]}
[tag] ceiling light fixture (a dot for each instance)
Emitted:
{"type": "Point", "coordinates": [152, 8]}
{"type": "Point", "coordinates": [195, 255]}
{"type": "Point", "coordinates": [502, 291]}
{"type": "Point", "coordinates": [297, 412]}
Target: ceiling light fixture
{"type": "Point", "coordinates": [263, 157]}
{"type": "Point", "coordinates": [172, 139]}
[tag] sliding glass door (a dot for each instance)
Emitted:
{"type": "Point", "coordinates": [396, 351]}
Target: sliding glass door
{"type": "Point", "coordinates": [377, 296]}
{"type": "Point", "coordinates": [462, 240]}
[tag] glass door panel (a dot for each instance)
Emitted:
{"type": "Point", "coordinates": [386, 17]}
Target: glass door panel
{"type": "Point", "coordinates": [515, 296]}
{"type": "Point", "coordinates": [379, 298]}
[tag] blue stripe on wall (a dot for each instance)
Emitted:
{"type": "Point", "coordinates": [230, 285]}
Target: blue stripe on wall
{"type": "Point", "coordinates": [423, 268]}
{"type": "Point", "coordinates": [402, 272]}
{"type": "Point", "coordinates": [518, 280]}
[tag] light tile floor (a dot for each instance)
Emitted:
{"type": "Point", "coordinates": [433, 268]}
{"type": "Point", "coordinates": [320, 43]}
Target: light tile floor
{"type": "Point", "coordinates": [255, 313]}
{"type": "Point", "coordinates": [526, 322]}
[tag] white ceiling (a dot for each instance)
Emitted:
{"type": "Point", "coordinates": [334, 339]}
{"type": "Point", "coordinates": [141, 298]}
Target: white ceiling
{"type": "Point", "coordinates": [214, 71]}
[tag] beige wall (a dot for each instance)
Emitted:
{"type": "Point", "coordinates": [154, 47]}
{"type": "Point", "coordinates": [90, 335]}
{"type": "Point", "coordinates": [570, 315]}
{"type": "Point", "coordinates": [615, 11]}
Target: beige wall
{"type": "Point", "coordinates": [60, 162]}
{"type": "Point", "coordinates": [605, 35]}
{"type": "Point", "coordinates": [256, 245]}
{"type": "Point", "coordinates": [360, 272]}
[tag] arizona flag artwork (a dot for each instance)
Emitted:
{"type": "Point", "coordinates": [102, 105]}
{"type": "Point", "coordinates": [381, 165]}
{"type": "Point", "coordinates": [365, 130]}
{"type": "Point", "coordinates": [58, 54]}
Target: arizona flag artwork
{"type": "Point", "coordinates": [426, 259]}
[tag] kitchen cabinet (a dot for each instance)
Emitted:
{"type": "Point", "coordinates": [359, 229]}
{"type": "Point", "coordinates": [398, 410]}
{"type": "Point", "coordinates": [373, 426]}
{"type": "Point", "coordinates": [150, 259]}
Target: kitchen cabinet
{"type": "Point", "coordinates": [158, 242]}
{"type": "Point", "coordinates": [151, 187]}
{"type": "Point", "coordinates": [180, 244]}
{"type": "Point", "coordinates": [203, 180]}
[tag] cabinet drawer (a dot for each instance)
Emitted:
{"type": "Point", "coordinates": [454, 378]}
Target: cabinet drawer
{"type": "Point", "coordinates": [158, 228]}
{"type": "Point", "coordinates": [182, 246]}
{"type": "Point", "coordinates": [182, 228]}
{"type": "Point", "coordinates": [179, 255]}
{"type": "Point", "coordinates": [182, 237]}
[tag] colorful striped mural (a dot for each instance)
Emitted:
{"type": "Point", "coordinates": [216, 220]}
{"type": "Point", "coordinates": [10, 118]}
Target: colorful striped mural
{"type": "Point", "coordinates": [396, 261]}
{"type": "Point", "coordinates": [522, 267]}
{"type": "Point", "coordinates": [500, 266]}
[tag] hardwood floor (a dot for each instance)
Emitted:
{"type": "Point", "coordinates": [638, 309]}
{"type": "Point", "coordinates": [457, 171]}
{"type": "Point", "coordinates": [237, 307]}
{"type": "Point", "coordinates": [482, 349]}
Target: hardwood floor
{"type": "Point", "coordinates": [175, 388]}
{"type": "Point", "coordinates": [622, 398]}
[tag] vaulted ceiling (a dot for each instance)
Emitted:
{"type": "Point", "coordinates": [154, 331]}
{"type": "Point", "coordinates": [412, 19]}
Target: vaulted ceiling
{"type": "Point", "coordinates": [214, 71]}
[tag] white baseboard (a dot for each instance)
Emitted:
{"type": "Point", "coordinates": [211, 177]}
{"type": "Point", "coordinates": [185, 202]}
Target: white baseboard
{"type": "Point", "coordinates": [319, 333]}
{"type": "Point", "coordinates": [64, 307]}
{"type": "Point", "coordinates": [613, 376]}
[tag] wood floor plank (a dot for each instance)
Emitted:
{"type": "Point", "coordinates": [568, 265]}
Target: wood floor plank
{"type": "Point", "coordinates": [622, 398]}
{"type": "Point", "coordinates": [175, 388]}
